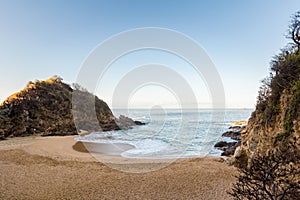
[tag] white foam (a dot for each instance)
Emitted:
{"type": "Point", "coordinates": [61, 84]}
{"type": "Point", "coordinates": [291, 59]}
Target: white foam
{"type": "Point", "coordinates": [145, 147]}
{"type": "Point", "coordinates": [169, 137]}
{"type": "Point", "coordinates": [142, 148]}
{"type": "Point", "coordinates": [140, 118]}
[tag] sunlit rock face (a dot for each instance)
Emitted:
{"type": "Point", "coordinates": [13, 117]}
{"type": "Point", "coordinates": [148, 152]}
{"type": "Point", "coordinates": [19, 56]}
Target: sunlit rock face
{"type": "Point", "coordinates": [45, 108]}
{"type": "Point", "coordinates": [260, 136]}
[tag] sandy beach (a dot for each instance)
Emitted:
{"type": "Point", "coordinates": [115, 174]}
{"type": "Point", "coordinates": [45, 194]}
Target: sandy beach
{"type": "Point", "coordinates": [61, 168]}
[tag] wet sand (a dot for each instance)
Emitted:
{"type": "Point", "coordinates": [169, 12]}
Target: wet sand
{"type": "Point", "coordinates": [61, 168]}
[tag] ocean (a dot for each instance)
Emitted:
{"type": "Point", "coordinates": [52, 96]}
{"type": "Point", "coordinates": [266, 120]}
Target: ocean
{"type": "Point", "coordinates": [171, 133]}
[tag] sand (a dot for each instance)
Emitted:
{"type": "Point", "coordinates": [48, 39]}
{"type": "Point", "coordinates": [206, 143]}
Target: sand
{"type": "Point", "coordinates": [61, 168]}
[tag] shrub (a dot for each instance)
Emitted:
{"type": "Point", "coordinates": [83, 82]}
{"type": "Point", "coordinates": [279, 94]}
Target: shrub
{"type": "Point", "coordinates": [274, 176]}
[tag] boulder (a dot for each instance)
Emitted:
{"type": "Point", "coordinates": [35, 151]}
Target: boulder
{"type": "Point", "coordinates": [235, 135]}
{"type": "Point", "coordinates": [222, 144]}
{"type": "Point", "coordinates": [228, 148]}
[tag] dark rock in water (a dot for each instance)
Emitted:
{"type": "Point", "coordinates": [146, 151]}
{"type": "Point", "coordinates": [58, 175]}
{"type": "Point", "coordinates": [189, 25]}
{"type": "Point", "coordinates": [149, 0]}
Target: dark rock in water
{"type": "Point", "coordinates": [125, 122]}
{"type": "Point", "coordinates": [227, 147]}
{"type": "Point", "coordinates": [45, 108]}
{"type": "Point", "coordinates": [222, 145]}
{"type": "Point", "coordinates": [237, 128]}
{"type": "Point", "coordinates": [235, 135]}
{"type": "Point", "coordinates": [139, 123]}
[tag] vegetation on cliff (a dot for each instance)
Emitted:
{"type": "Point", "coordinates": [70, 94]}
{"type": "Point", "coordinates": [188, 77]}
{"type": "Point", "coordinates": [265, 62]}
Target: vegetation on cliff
{"type": "Point", "coordinates": [45, 108]}
{"type": "Point", "coordinates": [276, 120]}
{"type": "Point", "coordinates": [269, 158]}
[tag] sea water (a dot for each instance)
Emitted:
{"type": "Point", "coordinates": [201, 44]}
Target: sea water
{"type": "Point", "coordinates": [171, 133]}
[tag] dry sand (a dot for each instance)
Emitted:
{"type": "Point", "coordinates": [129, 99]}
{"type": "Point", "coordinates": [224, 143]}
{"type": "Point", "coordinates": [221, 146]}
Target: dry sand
{"type": "Point", "coordinates": [60, 168]}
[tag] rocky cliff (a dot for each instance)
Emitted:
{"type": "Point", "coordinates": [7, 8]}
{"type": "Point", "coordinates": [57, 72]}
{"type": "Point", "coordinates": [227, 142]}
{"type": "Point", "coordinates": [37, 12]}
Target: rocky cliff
{"type": "Point", "coordinates": [45, 108]}
{"type": "Point", "coordinates": [275, 124]}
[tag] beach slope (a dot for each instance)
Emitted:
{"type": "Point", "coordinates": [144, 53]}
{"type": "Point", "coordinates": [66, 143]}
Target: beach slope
{"type": "Point", "coordinates": [59, 168]}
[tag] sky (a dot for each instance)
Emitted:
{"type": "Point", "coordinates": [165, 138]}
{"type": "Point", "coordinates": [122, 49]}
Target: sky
{"type": "Point", "coordinates": [40, 38]}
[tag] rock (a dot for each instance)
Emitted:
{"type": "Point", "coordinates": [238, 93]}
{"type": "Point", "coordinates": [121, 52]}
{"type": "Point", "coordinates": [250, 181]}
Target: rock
{"type": "Point", "coordinates": [139, 123]}
{"type": "Point", "coordinates": [230, 160]}
{"type": "Point", "coordinates": [235, 135]}
{"type": "Point", "coordinates": [237, 128]}
{"type": "Point", "coordinates": [240, 123]}
{"type": "Point", "coordinates": [126, 122]}
{"type": "Point", "coordinates": [228, 148]}
{"type": "Point", "coordinates": [269, 133]}
{"type": "Point", "coordinates": [45, 108]}
{"type": "Point", "coordinates": [252, 146]}
{"type": "Point", "coordinates": [2, 135]}
{"type": "Point", "coordinates": [227, 152]}
{"type": "Point", "coordinates": [224, 144]}
{"type": "Point", "coordinates": [237, 152]}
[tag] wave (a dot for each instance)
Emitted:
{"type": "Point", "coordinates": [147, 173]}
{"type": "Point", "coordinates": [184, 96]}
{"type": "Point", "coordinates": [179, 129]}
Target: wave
{"type": "Point", "coordinates": [165, 137]}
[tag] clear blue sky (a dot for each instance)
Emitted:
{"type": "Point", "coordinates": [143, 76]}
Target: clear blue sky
{"type": "Point", "coordinates": [42, 38]}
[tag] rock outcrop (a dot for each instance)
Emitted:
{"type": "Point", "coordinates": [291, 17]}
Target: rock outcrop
{"type": "Point", "coordinates": [228, 148]}
{"type": "Point", "coordinates": [275, 124]}
{"type": "Point", "coordinates": [234, 133]}
{"type": "Point", "coordinates": [45, 108]}
{"type": "Point", "coordinates": [260, 137]}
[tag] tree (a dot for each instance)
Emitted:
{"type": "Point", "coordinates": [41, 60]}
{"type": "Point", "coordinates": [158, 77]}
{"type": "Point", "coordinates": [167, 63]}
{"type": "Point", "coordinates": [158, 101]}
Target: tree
{"type": "Point", "coordinates": [275, 176]}
{"type": "Point", "coordinates": [294, 29]}
{"type": "Point", "coordinates": [263, 94]}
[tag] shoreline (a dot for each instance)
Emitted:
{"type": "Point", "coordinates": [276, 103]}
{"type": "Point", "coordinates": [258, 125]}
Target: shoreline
{"type": "Point", "coordinates": [116, 149]}
{"type": "Point", "coordinates": [50, 168]}
{"type": "Point", "coordinates": [66, 148]}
